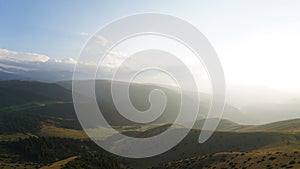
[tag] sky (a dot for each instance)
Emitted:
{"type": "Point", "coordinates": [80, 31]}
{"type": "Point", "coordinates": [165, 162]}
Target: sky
{"type": "Point", "coordinates": [256, 41]}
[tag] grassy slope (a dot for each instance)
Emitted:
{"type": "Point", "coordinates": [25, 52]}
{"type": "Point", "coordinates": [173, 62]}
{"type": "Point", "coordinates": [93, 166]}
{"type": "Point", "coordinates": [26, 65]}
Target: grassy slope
{"type": "Point", "coordinates": [224, 142]}
{"type": "Point", "coordinates": [252, 142]}
{"type": "Point", "coordinates": [52, 131]}
{"type": "Point", "coordinates": [251, 160]}
{"type": "Point", "coordinates": [287, 125]}
{"type": "Point", "coordinates": [280, 126]}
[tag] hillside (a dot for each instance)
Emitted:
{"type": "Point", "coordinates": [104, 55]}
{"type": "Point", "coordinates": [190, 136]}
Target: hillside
{"type": "Point", "coordinates": [17, 92]}
{"type": "Point", "coordinates": [42, 117]}
{"type": "Point", "coordinates": [286, 125]}
{"type": "Point", "coordinates": [30, 102]}
{"type": "Point", "coordinates": [139, 97]}
{"type": "Point", "coordinates": [46, 150]}
{"type": "Point", "coordinates": [27, 105]}
{"type": "Point", "coordinates": [225, 141]}
{"type": "Point", "coordinates": [247, 160]}
{"type": "Point", "coordinates": [292, 125]}
{"type": "Point", "coordinates": [60, 164]}
{"type": "Point", "coordinates": [224, 125]}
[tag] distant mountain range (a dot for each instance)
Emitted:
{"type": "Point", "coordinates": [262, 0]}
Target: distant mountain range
{"type": "Point", "coordinates": [245, 104]}
{"type": "Point", "coordinates": [31, 108]}
{"type": "Point", "coordinates": [33, 66]}
{"type": "Point", "coordinates": [26, 95]}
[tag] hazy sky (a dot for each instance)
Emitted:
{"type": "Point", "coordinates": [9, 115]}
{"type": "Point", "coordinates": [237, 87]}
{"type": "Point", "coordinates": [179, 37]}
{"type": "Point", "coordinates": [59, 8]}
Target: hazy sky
{"type": "Point", "coordinates": [257, 41]}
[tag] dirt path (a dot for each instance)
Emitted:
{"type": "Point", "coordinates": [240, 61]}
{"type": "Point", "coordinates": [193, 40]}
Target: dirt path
{"type": "Point", "coordinates": [59, 164]}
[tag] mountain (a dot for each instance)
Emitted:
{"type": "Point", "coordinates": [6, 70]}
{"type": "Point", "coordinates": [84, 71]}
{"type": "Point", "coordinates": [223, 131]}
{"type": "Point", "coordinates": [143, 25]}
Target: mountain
{"type": "Point", "coordinates": [292, 125]}
{"type": "Point", "coordinates": [245, 104]}
{"type": "Point", "coordinates": [224, 125]}
{"type": "Point", "coordinates": [37, 118]}
{"type": "Point", "coordinates": [260, 105]}
{"type": "Point", "coordinates": [17, 92]}
{"type": "Point", "coordinates": [26, 105]}
{"type": "Point", "coordinates": [139, 97]}
{"type": "Point", "coordinates": [35, 97]}
{"type": "Point", "coordinates": [265, 112]}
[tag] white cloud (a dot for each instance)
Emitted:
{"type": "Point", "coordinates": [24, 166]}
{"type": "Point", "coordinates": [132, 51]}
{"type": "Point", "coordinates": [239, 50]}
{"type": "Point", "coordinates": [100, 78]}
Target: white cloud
{"type": "Point", "coordinates": [40, 67]}
{"type": "Point", "coordinates": [84, 34]}
{"type": "Point", "coordinates": [34, 65]}
{"type": "Point", "coordinates": [66, 60]}
{"type": "Point", "coordinates": [28, 57]}
{"type": "Point", "coordinates": [6, 66]}
{"type": "Point", "coordinates": [22, 56]}
{"type": "Point", "coordinates": [101, 40]}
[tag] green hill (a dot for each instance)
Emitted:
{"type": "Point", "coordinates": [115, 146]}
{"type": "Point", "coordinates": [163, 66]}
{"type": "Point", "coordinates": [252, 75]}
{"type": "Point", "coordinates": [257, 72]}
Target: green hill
{"type": "Point", "coordinates": [26, 105]}
{"type": "Point", "coordinates": [224, 125]}
{"type": "Point", "coordinates": [292, 125]}
{"type": "Point", "coordinates": [286, 125]}
{"type": "Point", "coordinates": [17, 92]}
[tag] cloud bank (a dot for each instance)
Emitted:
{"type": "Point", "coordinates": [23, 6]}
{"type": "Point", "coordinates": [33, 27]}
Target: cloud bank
{"type": "Point", "coordinates": [34, 66]}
